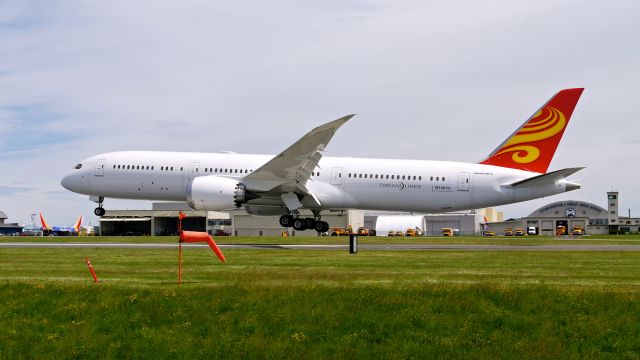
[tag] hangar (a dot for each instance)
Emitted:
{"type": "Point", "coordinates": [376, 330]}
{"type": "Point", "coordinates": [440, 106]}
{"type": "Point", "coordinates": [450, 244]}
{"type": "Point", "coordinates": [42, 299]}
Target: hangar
{"type": "Point", "coordinates": [7, 228]}
{"type": "Point", "coordinates": [560, 217]}
{"type": "Point", "coordinates": [162, 220]}
{"type": "Point", "coordinates": [463, 223]}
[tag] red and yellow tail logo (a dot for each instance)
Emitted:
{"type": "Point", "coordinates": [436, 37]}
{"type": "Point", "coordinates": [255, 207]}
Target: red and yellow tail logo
{"type": "Point", "coordinates": [78, 224]}
{"type": "Point", "coordinates": [532, 146]}
{"type": "Point", "coordinates": [45, 226]}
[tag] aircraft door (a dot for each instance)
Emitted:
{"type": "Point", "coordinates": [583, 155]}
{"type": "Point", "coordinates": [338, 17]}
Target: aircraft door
{"type": "Point", "coordinates": [463, 181]}
{"type": "Point", "coordinates": [336, 176]}
{"type": "Point", "coordinates": [193, 170]}
{"type": "Point", "coordinates": [99, 171]}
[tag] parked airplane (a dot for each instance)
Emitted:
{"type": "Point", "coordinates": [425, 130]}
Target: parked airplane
{"type": "Point", "coordinates": [300, 177]}
{"type": "Point", "coordinates": [61, 230]}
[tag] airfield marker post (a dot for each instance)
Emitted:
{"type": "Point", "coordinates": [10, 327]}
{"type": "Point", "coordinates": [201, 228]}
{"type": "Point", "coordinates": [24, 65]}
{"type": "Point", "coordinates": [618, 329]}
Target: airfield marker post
{"type": "Point", "coordinates": [353, 244]}
{"type": "Point", "coordinates": [93, 273]}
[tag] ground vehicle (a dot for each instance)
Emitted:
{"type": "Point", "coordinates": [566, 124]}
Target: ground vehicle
{"type": "Point", "coordinates": [531, 230]}
{"type": "Point", "coordinates": [578, 230]}
{"type": "Point", "coordinates": [220, 232]}
{"type": "Point", "coordinates": [508, 231]}
{"type": "Point", "coordinates": [447, 232]}
{"type": "Point", "coordinates": [391, 233]}
{"type": "Point", "coordinates": [363, 231]}
{"type": "Point", "coordinates": [340, 232]}
{"type": "Point", "coordinates": [520, 232]}
{"type": "Point", "coordinates": [561, 230]}
{"type": "Point", "coordinates": [411, 232]}
{"type": "Point", "coordinates": [489, 233]}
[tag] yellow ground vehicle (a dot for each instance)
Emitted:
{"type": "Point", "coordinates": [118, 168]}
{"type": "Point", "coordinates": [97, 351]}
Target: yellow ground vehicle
{"type": "Point", "coordinates": [561, 230]}
{"type": "Point", "coordinates": [363, 231]}
{"type": "Point", "coordinates": [489, 233]}
{"type": "Point", "coordinates": [410, 232]}
{"type": "Point", "coordinates": [578, 230]}
{"type": "Point", "coordinates": [508, 232]}
{"type": "Point", "coordinates": [340, 232]}
{"type": "Point", "coordinates": [520, 232]}
{"type": "Point", "coordinates": [447, 232]}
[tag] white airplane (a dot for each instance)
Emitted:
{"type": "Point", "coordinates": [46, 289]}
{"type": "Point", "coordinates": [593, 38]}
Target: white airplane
{"type": "Point", "coordinates": [300, 177]}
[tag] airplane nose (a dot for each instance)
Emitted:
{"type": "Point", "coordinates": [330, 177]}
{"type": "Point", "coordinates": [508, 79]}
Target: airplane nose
{"type": "Point", "coordinates": [66, 182]}
{"type": "Point", "coordinates": [71, 182]}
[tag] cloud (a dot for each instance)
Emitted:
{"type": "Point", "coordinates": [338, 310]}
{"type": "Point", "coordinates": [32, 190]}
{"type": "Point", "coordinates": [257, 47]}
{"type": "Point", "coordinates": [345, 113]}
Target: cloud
{"type": "Point", "coordinates": [8, 190]}
{"type": "Point", "coordinates": [428, 80]}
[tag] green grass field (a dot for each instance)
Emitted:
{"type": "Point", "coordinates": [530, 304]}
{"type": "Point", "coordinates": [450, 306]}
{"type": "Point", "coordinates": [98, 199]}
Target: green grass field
{"type": "Point", "coordinates": [319, 304]}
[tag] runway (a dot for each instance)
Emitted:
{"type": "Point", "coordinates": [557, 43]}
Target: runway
{"type": "Point", "coordinates": [392, 247]}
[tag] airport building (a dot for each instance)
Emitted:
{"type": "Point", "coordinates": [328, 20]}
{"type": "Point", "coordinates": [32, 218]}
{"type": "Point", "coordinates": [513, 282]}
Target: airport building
{"type": "Point", "coordinates": [557, 218]}
{"type": "Point", "coordinates": [462, 223]}
{"type": "Point", "coordinates": [162, 219]}
{"type": "Point", "coordinates": [561, 217]}
{"type": "Point", "coordinates": [8, 228]}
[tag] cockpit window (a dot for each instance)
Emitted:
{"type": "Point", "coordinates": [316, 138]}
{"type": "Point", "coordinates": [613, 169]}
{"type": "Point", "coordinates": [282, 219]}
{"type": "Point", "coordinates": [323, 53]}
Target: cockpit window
{"type": "Point", "coordinates": [79, 166]}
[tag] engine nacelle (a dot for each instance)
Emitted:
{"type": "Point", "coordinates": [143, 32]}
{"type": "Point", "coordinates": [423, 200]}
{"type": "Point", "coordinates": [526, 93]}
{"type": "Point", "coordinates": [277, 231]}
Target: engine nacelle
{"type": "Point", "coordinates": [212, 193]}
{"type": "Point", "coordinates": [217, 193]}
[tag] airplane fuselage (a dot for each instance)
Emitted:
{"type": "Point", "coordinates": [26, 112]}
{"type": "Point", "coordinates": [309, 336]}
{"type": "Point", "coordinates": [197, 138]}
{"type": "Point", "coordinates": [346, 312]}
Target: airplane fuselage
{"type": "Point", "coordinates": [337, 182]}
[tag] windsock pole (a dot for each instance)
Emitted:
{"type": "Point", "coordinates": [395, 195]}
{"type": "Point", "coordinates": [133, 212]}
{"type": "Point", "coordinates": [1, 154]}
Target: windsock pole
{"type": "Point", "coordinates": [180, 217]}
{"type": "Point", "coordinates": [180, 263]}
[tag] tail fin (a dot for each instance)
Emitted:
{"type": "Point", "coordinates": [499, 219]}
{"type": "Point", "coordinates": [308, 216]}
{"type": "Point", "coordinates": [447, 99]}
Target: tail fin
{"type": "Point", "coordinates": [45, 226]}
{"type": "Point", "coordinates": [78, 224]}
{"type": "Point", "coordinates": [532, 146]}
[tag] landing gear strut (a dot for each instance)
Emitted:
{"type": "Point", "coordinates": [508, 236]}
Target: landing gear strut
{"type": "Point", "coordinates": [301, 224]}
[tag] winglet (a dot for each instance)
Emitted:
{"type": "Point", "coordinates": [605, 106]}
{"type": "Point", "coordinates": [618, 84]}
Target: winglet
{"type": "Point", "coordinates": [532, 146]}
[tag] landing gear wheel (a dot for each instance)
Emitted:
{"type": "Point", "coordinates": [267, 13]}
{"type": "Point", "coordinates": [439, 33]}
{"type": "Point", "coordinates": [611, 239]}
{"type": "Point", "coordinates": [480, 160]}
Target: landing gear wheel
{"type": "Point", "coordinates": [309, 223]}
{"type": "Point", "coordinates": [286, 220]}
{"type": "Point", "coordinates": [99, 211]}
{"type": "Point", "coordinates": [322, 226]}
{"type": "Point", "coordinates": [298, 224]}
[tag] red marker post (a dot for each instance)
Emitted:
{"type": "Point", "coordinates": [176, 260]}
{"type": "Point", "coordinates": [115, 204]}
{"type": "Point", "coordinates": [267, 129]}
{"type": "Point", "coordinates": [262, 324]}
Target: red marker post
{"type": "Point", "coordinates": [93, 273]}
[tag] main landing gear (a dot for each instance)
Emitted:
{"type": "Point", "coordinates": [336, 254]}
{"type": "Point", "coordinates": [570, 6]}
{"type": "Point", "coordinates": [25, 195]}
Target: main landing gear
{"type": "Point", "coordinates": [300, 224]}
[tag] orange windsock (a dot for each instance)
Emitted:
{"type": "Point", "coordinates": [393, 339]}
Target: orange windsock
{"type": "Point", "coordinates": [197, 236]}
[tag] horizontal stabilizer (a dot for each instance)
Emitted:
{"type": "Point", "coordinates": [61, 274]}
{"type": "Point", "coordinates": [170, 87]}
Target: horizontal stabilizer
{"type": "Point", "coordinates": [544, 179]}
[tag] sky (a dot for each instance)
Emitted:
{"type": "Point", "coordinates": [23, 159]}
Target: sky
{"type": "Point", "coordinates": [436, 80]}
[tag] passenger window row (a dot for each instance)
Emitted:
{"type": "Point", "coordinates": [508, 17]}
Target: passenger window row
{"type": "Point", "coordinates": [392, 177]}
{"type": "Point", "coordinates": [133, 167]}
{"type": "Point", "coordinates": [171, 168]}
{"type": "Point", "coordinates": [226, 171]}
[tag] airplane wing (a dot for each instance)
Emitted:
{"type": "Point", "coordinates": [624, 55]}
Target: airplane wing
{"type": "Point", "coordinates": [290, 170]}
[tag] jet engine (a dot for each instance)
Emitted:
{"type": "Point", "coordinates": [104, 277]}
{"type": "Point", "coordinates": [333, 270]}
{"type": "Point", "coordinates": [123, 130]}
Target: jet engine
{"type": "Point", "coordinates": [217, 193]}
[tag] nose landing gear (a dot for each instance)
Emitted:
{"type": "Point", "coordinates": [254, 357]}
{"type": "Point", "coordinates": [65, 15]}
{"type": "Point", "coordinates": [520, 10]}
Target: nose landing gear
{"type": "Point", "coordinates": [99, 211]}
